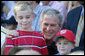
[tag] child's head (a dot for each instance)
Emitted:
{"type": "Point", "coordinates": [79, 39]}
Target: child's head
{"type": "Point", "coordinates": [24, 14]}
{"type": "Point", "coordinates": [10, 24]}
{"type": "Point", "coordinates": [65, 41]}
{"type": "Point", "coordinates": [22, 51]}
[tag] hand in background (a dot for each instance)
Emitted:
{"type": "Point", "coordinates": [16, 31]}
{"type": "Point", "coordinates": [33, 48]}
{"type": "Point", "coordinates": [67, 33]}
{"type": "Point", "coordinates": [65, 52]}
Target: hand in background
{"type": "Point", "coordinates": [13, 32]}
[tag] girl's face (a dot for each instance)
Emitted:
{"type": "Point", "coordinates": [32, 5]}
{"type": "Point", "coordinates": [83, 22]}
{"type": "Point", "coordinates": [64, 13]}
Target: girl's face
{"type": "Point", "coordinates": [64, 46]}
{"type": "Point", "coordinates": [24, 19]}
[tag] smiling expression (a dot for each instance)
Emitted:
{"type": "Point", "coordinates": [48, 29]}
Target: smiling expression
{"type": "Point", "coordinates": [24, 19]}
{"type": "Point", "coordinates": [64, 46]}
{"type": "Point", "coordinates": [49, 26]}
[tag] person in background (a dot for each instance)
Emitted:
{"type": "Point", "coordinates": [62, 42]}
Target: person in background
{"type": "Point", "coordinates": [65, 41]}
{"type": "Point", "coordinates": [10, 24]}
{"type": "Point", "coordinates": [75, 19]}
{"type": "Point", "coordinates": [37, 11]}
{"type": "Point", "coordinates": [24, 16]}
{"type": "Point", "coordinates": [75, 4]}
{"type": "Point", "coordinates": [10, 5]}
{"type": "Point", "coordinates": [3, 15]}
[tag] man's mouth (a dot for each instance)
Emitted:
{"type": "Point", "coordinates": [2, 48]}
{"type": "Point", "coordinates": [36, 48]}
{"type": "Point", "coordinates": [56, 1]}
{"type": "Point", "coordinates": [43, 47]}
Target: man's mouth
{"type": "Point", "coordinates": [48, 34]}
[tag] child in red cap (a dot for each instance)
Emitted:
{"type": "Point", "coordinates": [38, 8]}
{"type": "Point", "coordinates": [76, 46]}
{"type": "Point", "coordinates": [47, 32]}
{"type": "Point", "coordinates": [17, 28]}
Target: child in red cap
{"type": "Point", "coordinates": [64, 41]}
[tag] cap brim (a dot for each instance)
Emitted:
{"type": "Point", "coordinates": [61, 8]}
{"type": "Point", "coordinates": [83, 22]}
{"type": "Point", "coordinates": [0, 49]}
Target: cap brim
{"type": "Point", "coordinates": [58, 36]}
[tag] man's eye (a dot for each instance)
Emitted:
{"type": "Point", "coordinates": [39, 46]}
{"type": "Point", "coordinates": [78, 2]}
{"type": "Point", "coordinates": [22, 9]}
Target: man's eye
{"type": "Point", "coordinates": [46, 24]}
{"type": "Point", "coordinates": [53, 25]}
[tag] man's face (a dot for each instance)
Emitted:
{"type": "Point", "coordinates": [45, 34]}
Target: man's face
{"type": "Point", "coordinates": [64, 46]}
{"type": "Point", "coordinates": [24, 19]}
{"type": "Point", "coordinates": [49, 26]}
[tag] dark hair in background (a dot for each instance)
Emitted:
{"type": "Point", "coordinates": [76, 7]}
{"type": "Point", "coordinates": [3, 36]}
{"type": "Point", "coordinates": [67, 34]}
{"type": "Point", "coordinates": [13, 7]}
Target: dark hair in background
{"type": "Point", "coordinates": [81, 2]}
{"type": "Point", "coordinates": [10, 21]}
{"type": "Point", "coordinates": [2, 5]}
{"type": "Point", "coordinates": [38, 2]}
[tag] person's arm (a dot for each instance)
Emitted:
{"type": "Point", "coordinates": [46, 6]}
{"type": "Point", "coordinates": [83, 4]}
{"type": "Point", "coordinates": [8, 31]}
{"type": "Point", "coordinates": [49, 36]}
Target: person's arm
{"type": "Point", "coordinates": [2, 49]}
{"type": "Point", "coordinates": [44, 49]}
{"type": "Point", "coordinates": [4, 45]}
{"type": "Point", "coordinates": [9, 43]}
{"type": "Point", "coordinates": [9, 32]}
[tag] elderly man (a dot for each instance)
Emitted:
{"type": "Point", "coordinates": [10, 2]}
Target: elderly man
{"type": "Point", "coordinates": [51, 21]}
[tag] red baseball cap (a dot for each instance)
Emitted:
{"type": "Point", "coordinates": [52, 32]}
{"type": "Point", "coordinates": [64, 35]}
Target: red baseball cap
{"type": "Point", "coordinates": [68, 34]}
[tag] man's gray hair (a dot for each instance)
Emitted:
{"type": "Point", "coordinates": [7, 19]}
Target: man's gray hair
{"type": "Point", "coordinates": [53, 13]}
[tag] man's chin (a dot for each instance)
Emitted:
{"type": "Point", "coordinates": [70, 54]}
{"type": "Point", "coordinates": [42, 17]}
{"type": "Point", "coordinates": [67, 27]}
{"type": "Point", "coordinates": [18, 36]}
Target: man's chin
{"type": "Point", "coordinates": [48, 37]}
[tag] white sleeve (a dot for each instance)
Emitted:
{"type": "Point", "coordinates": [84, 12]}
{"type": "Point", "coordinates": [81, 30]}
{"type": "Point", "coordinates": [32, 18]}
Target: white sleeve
{"type": "Point", "coordinates": [3, 38]}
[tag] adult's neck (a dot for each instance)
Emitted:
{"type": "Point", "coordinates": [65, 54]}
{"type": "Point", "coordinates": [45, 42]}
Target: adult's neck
{"type": "Point", "coordinates": [49, 42]}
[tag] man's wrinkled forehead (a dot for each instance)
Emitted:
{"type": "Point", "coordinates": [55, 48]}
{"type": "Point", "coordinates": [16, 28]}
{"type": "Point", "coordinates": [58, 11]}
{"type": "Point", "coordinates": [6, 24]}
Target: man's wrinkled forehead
{"type": "Point", "coordinates": [50, 18]}
{"type": "Point", "coordinates": [51, 15]}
